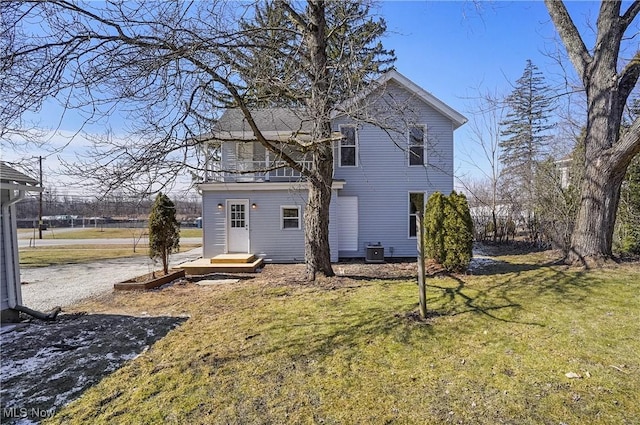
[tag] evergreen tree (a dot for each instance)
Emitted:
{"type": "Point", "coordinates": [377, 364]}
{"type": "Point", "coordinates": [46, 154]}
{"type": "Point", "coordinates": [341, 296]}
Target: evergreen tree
{"type": "Point", "coordinates": [164, 230]}
{"type": "Point", "coordinates": [525, 138]}
{"type": "Point", "coordinates": [458, 233]}
{"type": "Point", "coordinates": [434, 227]}
{"type": "Point", "coordinates": [448, 231]}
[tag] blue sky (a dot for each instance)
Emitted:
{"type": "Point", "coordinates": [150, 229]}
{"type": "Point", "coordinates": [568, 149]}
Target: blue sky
{"type": "Point", "coordinates": [451, 48]}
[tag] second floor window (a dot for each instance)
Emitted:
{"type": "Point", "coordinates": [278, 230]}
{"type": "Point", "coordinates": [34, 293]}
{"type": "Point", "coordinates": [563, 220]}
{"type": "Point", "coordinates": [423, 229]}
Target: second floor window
{"type": "Point", "coordinates": [348, 146]}
{"type": "Point", "coordinates": [416, 145]}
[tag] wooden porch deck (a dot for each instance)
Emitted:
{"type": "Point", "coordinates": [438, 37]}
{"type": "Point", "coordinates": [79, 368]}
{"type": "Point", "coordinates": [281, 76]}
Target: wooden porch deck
{"type": "Point", "coordinates": [223, 263]}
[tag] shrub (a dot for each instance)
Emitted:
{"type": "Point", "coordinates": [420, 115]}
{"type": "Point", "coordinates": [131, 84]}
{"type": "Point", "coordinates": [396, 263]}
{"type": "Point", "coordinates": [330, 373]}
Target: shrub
{"type": "Point", "coordinates": [448, 231]}
{"type": "Point", "coordinates": [433, 227]}
{"type": "Point", "coordinates": [458, 233]}
{"type": "Point", "coordinates": [164, 230]}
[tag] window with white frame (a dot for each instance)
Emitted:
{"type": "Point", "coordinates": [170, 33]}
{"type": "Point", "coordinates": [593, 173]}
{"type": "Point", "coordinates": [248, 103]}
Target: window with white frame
{"type": "Point", "coordinates": [348, 146]}
{"type": "Point", "coordinates": [416, 203]}
{"type": "Point", "coordinates": [290, 217]}
{"type": "Point", "coordinates": [416, 145]}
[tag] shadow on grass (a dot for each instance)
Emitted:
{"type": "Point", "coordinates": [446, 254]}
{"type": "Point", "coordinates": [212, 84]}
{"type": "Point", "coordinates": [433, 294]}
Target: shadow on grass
{"type": "Point", "coordinates": [513, 285]}
{"type": "Point", "coordinates": [45, 365]}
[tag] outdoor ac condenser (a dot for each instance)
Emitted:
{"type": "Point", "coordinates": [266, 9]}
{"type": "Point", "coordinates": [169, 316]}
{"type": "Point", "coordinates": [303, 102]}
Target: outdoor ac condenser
{"type": "Point", "coordinates": [375, 254]}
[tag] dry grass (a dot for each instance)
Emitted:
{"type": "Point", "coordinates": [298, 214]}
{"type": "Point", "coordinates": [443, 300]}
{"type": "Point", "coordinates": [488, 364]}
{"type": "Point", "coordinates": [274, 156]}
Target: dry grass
{"type": "Point", "coordinates": [348, 350]}
{"type": "Point", "coordinates": [75, 254]}
{"type": "Point", "coordinates": [104, 233]}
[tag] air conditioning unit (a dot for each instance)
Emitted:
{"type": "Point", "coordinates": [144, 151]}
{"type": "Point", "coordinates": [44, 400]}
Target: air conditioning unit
{"type": "Point", "coordinates": [375, 254]}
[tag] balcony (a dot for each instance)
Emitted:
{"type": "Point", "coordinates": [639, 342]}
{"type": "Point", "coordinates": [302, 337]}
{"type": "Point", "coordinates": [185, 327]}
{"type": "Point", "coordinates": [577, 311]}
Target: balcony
{"type": "Point", "coordinates": [254, 172]}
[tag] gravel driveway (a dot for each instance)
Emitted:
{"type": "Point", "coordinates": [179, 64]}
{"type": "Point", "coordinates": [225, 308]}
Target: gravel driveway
{"type": "Point", "coordinates": [47, 287]}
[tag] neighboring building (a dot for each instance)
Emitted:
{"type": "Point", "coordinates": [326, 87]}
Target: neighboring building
{"type": "Point", "coordinates": [251, 204]}
{"type": "Point", "coordinates": [13, 186]}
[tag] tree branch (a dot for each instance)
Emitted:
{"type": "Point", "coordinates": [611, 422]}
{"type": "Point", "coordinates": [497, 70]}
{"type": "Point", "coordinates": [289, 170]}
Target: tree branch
{"type": "Point", "coordinates": [630, 14]}
{"type": "Point", "coordinates": [628, 78]}
{"type": "Point", "coordinates": [576, 48]}
{"type": "Point", "coordinates": [627, 147]}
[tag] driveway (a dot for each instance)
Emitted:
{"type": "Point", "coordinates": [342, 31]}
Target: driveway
{"type": "Point", "coordinates": [47, 287]}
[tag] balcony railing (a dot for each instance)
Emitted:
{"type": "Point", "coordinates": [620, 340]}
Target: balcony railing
{"type": "Point", "coordinates": [256, 171]}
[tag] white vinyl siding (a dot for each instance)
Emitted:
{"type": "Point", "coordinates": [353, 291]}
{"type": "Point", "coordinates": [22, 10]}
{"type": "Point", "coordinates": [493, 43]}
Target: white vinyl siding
{"type": "Point", "coordinates": [348, 150]}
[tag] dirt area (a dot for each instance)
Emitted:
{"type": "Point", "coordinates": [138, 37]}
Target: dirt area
{"type": "Point", "coordinates": [45, 365]}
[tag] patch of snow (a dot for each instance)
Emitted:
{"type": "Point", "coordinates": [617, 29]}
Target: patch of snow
{"type": "Point", "coordinates": [481, 262]}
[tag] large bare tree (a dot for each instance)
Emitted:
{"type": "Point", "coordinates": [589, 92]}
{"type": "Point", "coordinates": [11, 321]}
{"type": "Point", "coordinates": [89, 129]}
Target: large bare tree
{"type": "Point", "coordinates": [608, 80]}
{"type": "Point", "coordinates": [173, 66]}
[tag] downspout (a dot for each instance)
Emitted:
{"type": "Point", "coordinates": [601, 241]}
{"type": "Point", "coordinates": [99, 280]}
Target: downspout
{"type": "Point", "coordinates": [11, 261]}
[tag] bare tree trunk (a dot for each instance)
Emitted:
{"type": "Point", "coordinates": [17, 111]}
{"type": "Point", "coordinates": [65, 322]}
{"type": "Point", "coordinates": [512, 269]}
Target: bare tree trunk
{"type": "Point", "coordinates": [317, 250]}
{"type": "Point", "coordinates": [316, 221]}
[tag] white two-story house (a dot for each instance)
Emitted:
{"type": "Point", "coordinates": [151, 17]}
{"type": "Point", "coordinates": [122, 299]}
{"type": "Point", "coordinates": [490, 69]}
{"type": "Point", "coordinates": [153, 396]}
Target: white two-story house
{"type": "Point", "coordinates": [396, 153]}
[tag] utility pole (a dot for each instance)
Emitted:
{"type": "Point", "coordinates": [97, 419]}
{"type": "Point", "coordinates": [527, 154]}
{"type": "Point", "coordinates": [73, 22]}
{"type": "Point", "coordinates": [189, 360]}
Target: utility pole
{"type": "Point", "coordinates": [40, 208]}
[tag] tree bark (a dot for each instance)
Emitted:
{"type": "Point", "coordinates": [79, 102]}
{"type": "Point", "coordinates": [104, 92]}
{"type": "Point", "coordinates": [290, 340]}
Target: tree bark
{"type": "Point", "coordinates": [316, 219]}
{"type": "Point", "coordinates": [316, 233]}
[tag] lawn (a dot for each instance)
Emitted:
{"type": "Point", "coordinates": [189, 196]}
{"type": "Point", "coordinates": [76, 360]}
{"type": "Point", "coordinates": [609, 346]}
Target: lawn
{"type": "Point", "coordinates": [44, 256]}
{"type": "Point", "coordinates": [349, 350]}
{"type": "Point", "coordinates": [104, 233]}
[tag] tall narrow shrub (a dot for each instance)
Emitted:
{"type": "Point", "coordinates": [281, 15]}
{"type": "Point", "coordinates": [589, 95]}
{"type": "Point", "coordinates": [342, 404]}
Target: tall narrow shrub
{"type": "Point", "coordinates": [164, 230]}
{"type": "Point", "coordinates": [448, 231]}
{"type": "Point", "coordinates": [434, 227]}
{"type": "Point", "coordinates": [458, 233]}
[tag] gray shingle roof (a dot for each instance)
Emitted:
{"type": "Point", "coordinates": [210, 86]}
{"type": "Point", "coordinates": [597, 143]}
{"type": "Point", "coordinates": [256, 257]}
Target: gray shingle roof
{"type": "Point", "coordinates": [9, 174]}
{"type": "Point", "coordinates": [271, 119]}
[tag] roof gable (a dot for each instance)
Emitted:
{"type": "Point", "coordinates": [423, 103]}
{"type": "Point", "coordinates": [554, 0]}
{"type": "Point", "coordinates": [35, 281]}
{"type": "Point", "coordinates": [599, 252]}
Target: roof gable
{"type": "Point", "coordinates": [280, 123]}
{"type": "Point", "coordinates": [456, 117]}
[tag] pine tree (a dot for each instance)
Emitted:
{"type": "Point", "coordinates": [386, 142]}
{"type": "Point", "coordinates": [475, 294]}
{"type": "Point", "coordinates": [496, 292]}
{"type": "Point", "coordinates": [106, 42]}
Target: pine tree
{"type": "Point", "coordinates": [164, 230]}
{"type": "Point", "coordinates": [525, 138]}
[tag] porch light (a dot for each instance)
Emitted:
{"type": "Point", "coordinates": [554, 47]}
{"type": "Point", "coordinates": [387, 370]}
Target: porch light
{"type": "Point", "coordinates": [220, 206]}
{"type": "Point", "coordinates": [254, 206]}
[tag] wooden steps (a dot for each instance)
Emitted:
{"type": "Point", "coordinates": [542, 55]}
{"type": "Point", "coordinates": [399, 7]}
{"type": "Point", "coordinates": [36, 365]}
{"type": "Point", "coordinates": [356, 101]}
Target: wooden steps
{"type": "Point", "coordinates": [223, 263]}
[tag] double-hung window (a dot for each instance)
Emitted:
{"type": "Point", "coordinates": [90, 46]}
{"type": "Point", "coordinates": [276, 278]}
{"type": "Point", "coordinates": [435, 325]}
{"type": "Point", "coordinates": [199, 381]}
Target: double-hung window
{"type": "Point", "coordinates": [416, 203]}
{"type": "Point", "coordinates": [290, 217]}
{"type": "Point", "coordinates": [416, 145]}
{"type": "Point", "coordinates": [348, 146]}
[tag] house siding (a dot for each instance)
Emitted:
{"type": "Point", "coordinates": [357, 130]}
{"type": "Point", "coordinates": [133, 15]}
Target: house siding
{"type": "Point", "coordinates": [383, 179]}
{"type": "Point", "coordinates": [3, 268]}
{"type": "Point", "coordinates": [267, 239]}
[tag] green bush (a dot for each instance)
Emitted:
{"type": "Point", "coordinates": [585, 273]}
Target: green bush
{"type": "Point", "coordinates": [449, 231]}
{"type": "Point", "coordinates": [433, 227]}
{"type": "Point", "coordinates": [164, 230]}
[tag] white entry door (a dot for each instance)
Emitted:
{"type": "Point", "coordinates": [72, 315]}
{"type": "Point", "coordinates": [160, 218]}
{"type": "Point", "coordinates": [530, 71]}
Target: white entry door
{"type": "Point", "coordinates": [238, 225]}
